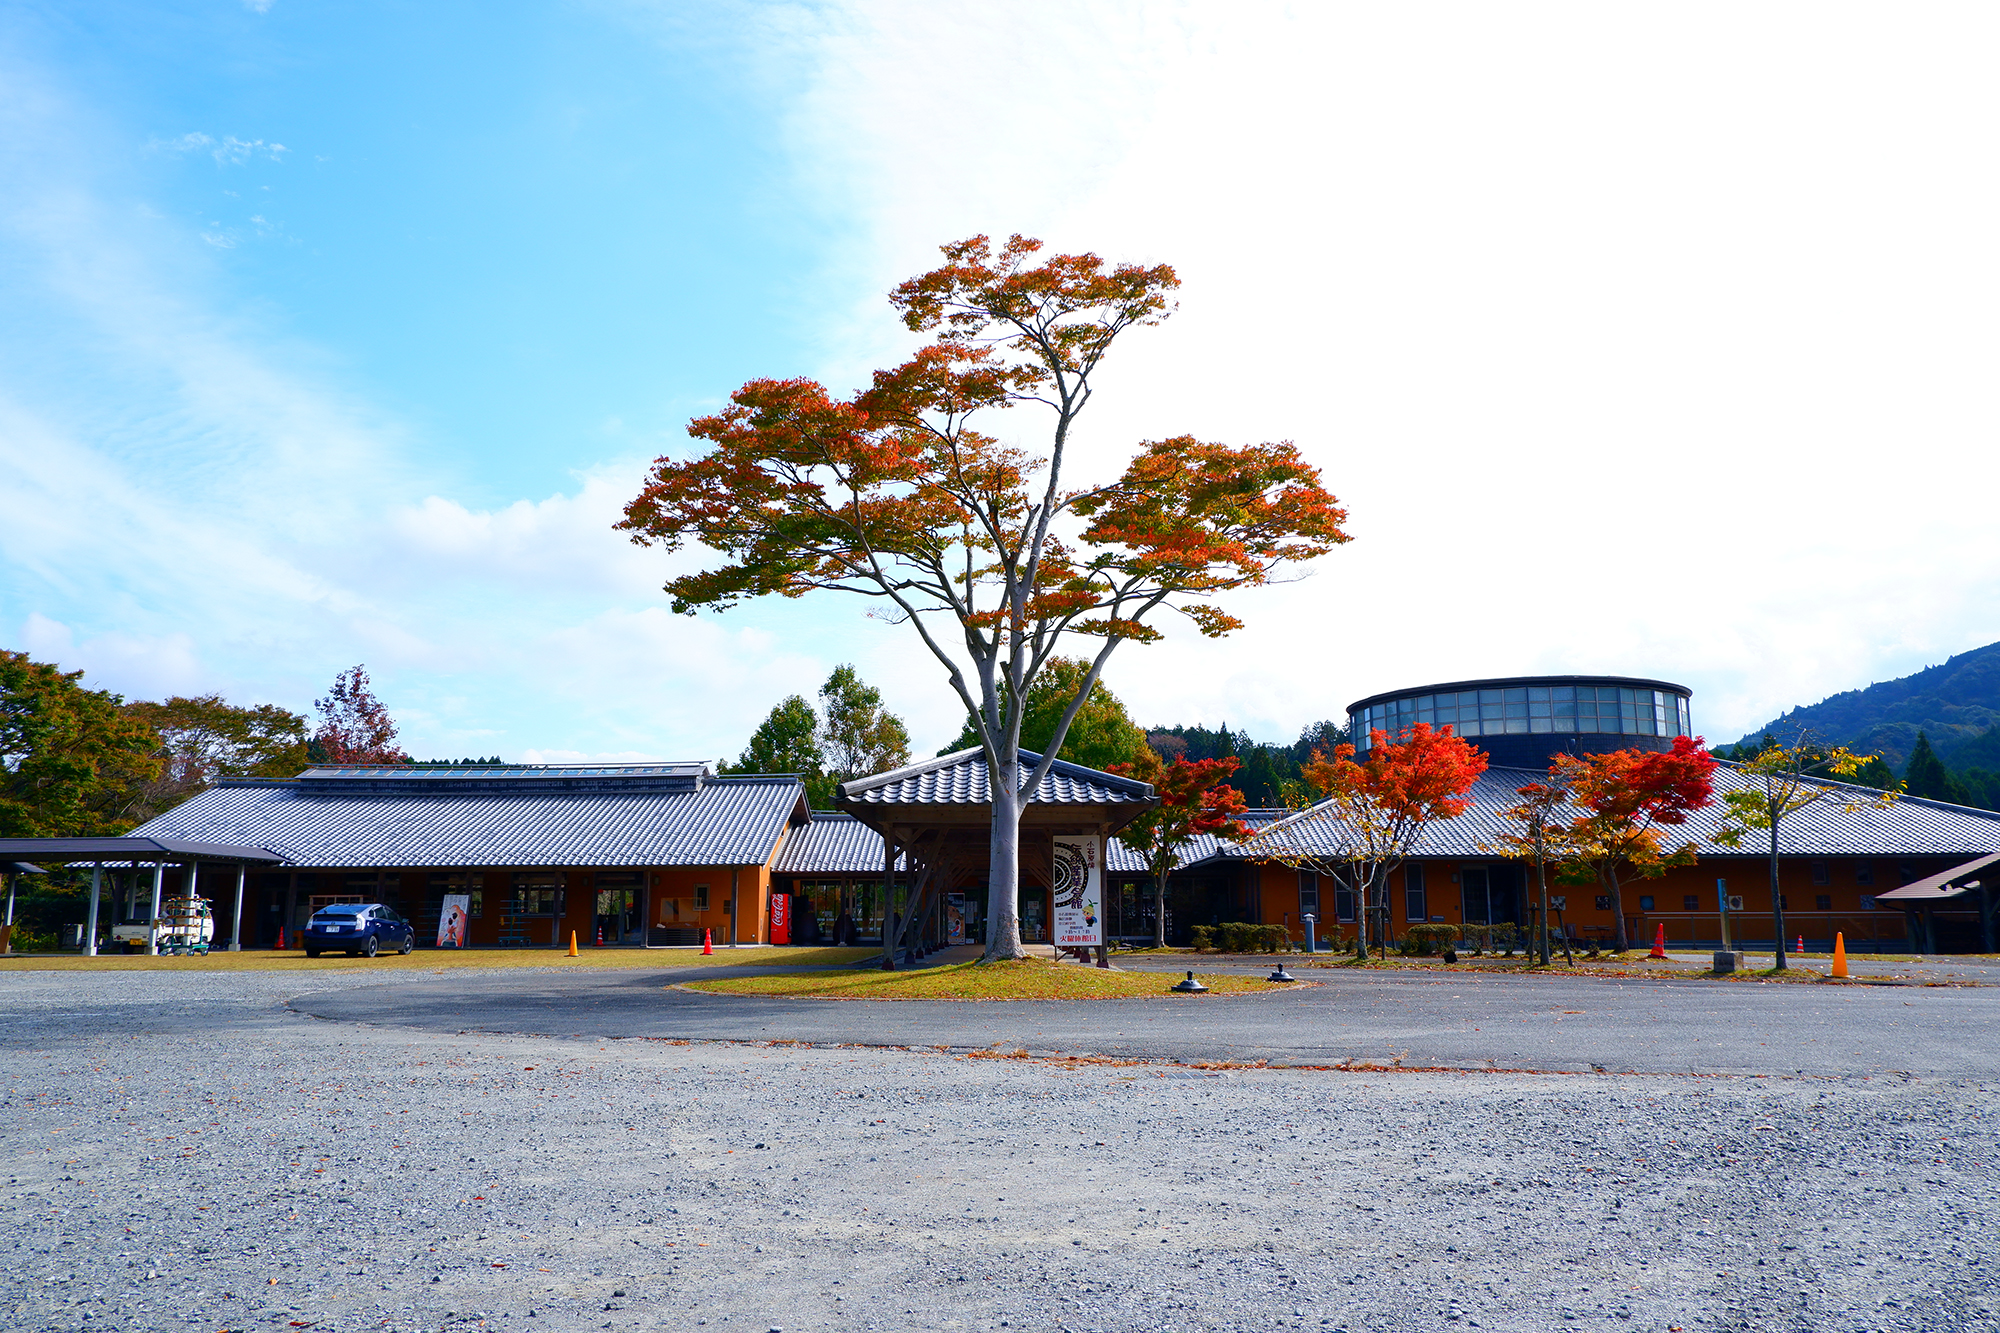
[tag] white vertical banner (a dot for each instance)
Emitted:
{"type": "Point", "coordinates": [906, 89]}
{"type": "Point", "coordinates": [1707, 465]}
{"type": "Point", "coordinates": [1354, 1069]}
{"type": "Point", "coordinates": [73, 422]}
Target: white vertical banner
{"type": "Point", "coordinates": [1079, 895]}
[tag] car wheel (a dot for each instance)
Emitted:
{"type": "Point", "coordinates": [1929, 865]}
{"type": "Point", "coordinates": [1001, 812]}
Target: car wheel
{"type": "Point", "coordinates": [312, 953]}
{"type": "Point", "coordinates": [370, 949]}
{"type": "Point", "coordinates": [409, 942]}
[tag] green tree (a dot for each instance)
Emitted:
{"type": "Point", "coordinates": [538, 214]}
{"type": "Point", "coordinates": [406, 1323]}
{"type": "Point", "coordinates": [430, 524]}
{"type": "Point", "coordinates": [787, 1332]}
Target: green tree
{"type": "Point", "coordinates": [73, 761]}
{"type": "Point", "coordinates": [1781, 780]}
{"type": "Point", "coordinates": [858, 736]}
{"type": "Point", "coordinates": [1101, 734]}
{"type": "Point", "coordinates": [204, 738]}
{"type": "Point", "coordinates": [1925, 775]}
{"type": "Point", "coordinates": [787, 741]}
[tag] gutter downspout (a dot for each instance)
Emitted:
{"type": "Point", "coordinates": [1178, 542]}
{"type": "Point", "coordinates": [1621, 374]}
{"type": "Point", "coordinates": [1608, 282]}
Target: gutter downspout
{"type": "Point", "coordinates": [153, 925]}
{"type": "Point", "coordinates": [735, 905]}
{"type": "Point", "coordinates": [236, 921]}
{"type": "Point", "coordinates": [90, 930]}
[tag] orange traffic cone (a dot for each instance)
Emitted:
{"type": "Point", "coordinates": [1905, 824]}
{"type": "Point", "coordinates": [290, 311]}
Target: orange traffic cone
{"type": "Point", "coordinates": [572, 944]}
{"type": "Point", "coordinates": [1802, 945]}
{"type": "Point", "coordinates": [1659, 941]}
{"type": "Point", "coordinates": [281, 937]}
{"type": "Point", "coordinates": [1839, 955]}
{"type": "Point", "coordinates": [600, 937]}
{"type": "Point", "coordinates": [707, 941]}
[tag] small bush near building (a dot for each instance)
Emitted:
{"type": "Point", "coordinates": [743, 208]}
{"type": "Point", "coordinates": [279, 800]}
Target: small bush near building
{"type": "Point", "coordinates": [1240, 937]}
{"type": "Point", "coordinates": [1426, 941]}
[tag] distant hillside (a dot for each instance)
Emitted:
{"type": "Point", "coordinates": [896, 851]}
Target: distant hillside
{"type": "Point", "coordinates": [1955, 703]}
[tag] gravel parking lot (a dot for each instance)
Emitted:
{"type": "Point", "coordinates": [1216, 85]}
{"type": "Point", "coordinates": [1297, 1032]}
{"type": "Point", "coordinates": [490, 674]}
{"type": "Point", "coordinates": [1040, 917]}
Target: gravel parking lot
{"type": "Point", "coordinates": [184, 1150]}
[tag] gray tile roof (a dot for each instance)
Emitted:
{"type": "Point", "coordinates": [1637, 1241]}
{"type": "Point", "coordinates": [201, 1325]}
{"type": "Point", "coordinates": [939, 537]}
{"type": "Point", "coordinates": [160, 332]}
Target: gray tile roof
{"type": "Point", "coordinates": [724, 821]}
{"type": "Point", "coordinates": [1908, 827]}
{"type": "Point", "coordinates": [1122, 860]}
{"type": "Point", "coordinates": [961, 779]}
{"type": "Point", "coordinates": [832, 844]}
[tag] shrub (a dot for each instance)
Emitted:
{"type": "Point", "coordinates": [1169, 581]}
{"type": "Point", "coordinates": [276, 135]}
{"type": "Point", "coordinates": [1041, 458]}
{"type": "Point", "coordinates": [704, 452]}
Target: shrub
{"type": "Point", "coordinates": [1203, 938]}
{"type": "Point", "coordinates": [1428, 940]}
{"type": "Point", "coordinates": [1248, 937]}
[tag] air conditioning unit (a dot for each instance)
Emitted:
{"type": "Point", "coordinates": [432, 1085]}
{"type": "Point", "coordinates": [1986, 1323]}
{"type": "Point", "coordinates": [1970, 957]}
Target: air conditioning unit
{"type": "Point", "coordinates": [1735, 902]}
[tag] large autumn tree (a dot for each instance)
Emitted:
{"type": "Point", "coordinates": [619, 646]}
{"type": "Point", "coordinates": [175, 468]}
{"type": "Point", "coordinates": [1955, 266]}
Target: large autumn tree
{"type": "Point", "coordinates": [1371, 812]}
{"type": "Point", "coordinates": [991, 552]}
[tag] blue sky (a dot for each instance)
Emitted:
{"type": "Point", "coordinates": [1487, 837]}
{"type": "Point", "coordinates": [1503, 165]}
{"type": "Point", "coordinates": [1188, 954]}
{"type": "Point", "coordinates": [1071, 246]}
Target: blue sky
{"type": "Point", "coordinates": [340, 333]}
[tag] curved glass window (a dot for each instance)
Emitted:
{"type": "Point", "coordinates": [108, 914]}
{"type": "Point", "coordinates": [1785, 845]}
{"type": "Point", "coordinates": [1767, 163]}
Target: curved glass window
{"type": "Point", "coordinates": [1532, 709]}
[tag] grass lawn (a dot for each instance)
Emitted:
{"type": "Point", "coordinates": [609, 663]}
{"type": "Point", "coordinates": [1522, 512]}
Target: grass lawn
{"type": "Point", "coordinates": [1028, 979]}
{"type": "Point", "coordinates": [434, 960]}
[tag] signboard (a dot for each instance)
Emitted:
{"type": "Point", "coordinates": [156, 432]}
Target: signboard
{"type": "Point", "coordinates": [1079, 892]}
{"type": "Point", "coordinates": [451, 920]}
{"type": "Point", "coordinates": [954, 918]}
{"type": "Point", "coordinates": [781, 918]}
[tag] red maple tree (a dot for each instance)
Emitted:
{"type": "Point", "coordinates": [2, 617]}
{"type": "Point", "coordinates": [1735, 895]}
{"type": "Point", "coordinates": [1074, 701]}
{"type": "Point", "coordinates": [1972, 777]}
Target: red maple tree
{"type": "Point", "coordinates": [354, 727]}
{"type": "Point", "coordinates": [1625, 800]}
{"type": "Point", "coordinates": [1371, 813]}
{"type": "Point", "coordinates": [1194, 800]}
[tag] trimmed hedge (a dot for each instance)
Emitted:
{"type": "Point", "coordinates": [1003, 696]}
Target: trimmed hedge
{"type": "Point", "coordinates": [1241, 937]}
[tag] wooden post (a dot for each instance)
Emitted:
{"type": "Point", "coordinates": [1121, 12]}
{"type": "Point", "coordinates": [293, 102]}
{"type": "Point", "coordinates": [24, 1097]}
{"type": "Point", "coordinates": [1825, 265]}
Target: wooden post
{"type": "Point", "coordinates": [888, 900]}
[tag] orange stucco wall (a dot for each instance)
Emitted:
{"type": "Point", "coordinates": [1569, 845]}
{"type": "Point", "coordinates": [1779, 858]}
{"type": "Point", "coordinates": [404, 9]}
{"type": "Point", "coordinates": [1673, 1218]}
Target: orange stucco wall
{"type": "Point", "coordinates": [1748, 878]}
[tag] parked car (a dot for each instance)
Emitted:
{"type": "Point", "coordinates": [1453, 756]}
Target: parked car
{"type": "Point", "coordinates": [363, 928]}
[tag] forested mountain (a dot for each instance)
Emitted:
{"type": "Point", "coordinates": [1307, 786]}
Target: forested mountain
{"type": "Point", "coordinates": [1957, 704]}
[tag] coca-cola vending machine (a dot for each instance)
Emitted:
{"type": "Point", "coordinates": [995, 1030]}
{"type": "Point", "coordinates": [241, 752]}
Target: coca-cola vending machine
{"type": "Point", "coordinates": [781, 918]}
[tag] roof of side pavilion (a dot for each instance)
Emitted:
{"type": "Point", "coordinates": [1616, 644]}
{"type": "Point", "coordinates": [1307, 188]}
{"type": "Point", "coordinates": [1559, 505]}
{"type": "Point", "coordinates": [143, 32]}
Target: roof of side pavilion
{"type": "Point", "coordinates": [954, 788]}
{"type": "Point", "coordinates": [509, 815]}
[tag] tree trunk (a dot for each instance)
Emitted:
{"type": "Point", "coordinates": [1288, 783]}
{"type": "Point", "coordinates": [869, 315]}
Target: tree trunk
{"type": "Point", "coordinates": [1542, 880]}
{"type": "Point", "coordinates": [1003, 885]}
{"type": "Point", "coordinates": [1618, 910]}
{"type": "Point", "coordinates": [1360, 900]}
{"type": "Point", "coordinates": [1777, 900]}
{"type": "Point", "coordinates": [1160, 910]}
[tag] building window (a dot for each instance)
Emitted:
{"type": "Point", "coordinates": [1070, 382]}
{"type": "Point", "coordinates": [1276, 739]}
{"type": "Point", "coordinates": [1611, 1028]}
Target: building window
{"type": "Point", "coordinates": [1867, 902]}
{"type": "Point", "coordinates": [1603, 902]}
{"type": "Point", "coordinates": [1343, 902]}
{"type": "Point", "coordinates": [1309, 893]}
{"type": "Point", "coordinates": [535, 893]}
{"type": "Point", "coordinates": [1690, 902]}
{"type": "Point", "coordinates": [1822, 902]}
{"type": "Point", "coordinates": [1417, 908]}
{"type": "Point", "coordinates": [1865, 873]}
{"type": "Point", "coordinates": [1646, 902]}
{"type": "Point", "coordinates": [1907, 871]}
{"type": "Point", "coordinates": [701, 897]}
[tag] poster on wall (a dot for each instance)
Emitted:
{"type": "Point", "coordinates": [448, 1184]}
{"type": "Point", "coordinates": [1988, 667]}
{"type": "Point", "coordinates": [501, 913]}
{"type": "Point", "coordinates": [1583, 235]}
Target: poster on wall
{"type": "Point", "coordinates": [954, 918]}
{"type": "Point", "coordinates": [1079, 892]}
{"type": "Point", "coordinates": [451, 920]}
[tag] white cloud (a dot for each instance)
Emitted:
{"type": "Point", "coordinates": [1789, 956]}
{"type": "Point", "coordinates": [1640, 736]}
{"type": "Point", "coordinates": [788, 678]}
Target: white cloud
{"type": "Point", "coordinates": [1634, 344]}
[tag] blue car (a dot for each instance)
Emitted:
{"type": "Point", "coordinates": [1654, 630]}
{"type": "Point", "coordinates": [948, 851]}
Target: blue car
{"type": "Point", "coordinates": [363, 928]}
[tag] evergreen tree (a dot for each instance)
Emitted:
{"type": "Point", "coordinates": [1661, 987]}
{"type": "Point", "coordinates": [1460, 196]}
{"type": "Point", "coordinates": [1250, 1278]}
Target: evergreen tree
{"type": "Point", "coordinates": [1925, 775]}
{"type": "Point", "coordinates": [1101, 735]}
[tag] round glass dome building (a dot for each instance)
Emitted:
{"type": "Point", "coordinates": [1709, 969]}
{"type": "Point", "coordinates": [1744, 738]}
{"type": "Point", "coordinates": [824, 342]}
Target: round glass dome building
{"type": "Point", "coordinates": [1523, 720]}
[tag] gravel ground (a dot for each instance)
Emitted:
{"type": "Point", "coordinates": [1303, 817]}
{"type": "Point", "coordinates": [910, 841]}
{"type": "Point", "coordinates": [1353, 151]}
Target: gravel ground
{"type": "Point", "coordinates": [182, 1150]}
